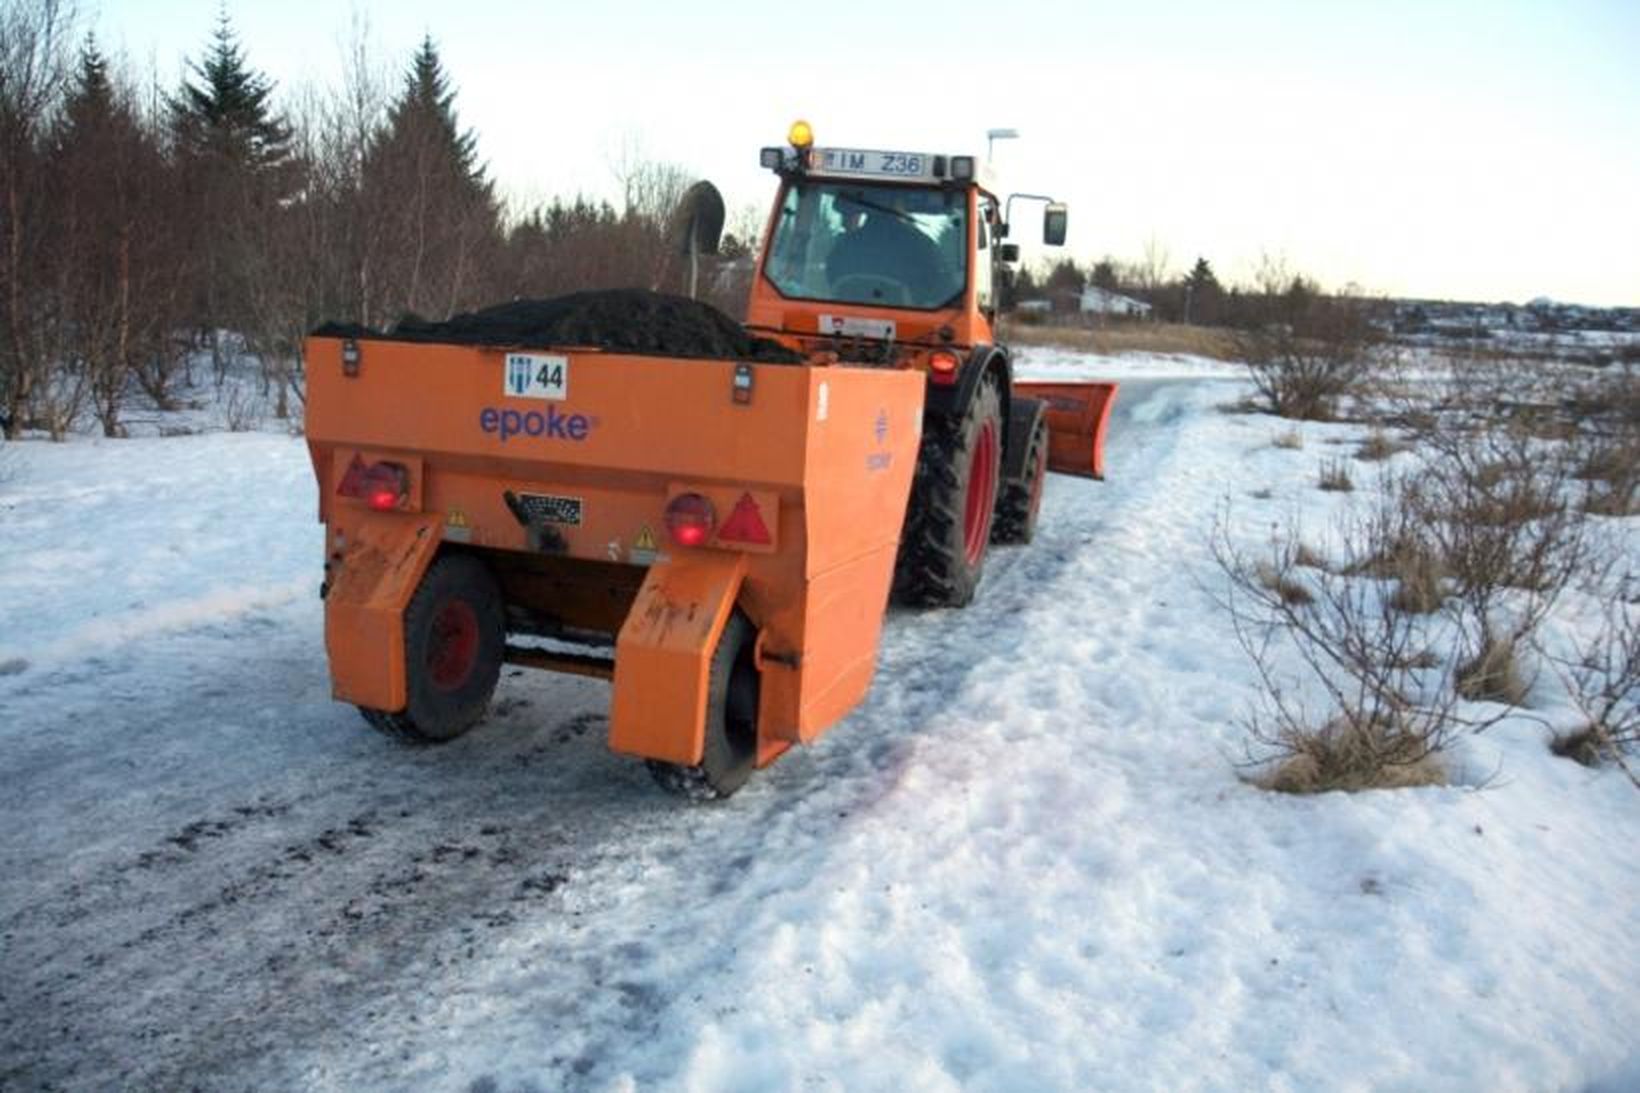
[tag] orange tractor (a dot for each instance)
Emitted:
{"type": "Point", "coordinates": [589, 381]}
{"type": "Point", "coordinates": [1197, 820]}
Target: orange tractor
{"type": "Point", "coordinates": [715, 526]}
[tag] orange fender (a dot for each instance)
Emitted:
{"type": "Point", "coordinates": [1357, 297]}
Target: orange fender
{"type": "Point", "coordinates": [663, 656]}
{"type": "Point", "coordinates": [375, 568]}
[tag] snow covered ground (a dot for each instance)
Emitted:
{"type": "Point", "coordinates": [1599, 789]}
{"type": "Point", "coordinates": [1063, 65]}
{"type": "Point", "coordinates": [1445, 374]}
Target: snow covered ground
{"type": "Point", "coordinates": [1026, 862]}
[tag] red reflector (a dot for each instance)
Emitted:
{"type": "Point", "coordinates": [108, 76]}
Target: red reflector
{"type": "Point", "coordinates": [383, 486]}
{"type": "Point", "coordinates": [690, 519]}
{"type": "Point", "coordinates": [745, 524]}
{"type": "Point", "coordinates": [942, 367]}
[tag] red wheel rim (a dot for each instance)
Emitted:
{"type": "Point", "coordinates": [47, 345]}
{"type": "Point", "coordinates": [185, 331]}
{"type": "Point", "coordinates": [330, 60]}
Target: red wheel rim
{"type": "Point", "coordinates": [982, 493]}
{"type": "Point", "coordinates": [453, 650]}
{"type": "Point", "coordinates": [1041, 475]}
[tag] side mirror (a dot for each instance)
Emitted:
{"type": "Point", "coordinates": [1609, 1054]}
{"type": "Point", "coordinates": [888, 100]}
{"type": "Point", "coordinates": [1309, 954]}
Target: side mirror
{"type": "Point", "coordinates": [1008, 252]}
{"type": "Point", "coordinates": [697, 222]}
{"type": "Point", "coordinates": [1054, 221]}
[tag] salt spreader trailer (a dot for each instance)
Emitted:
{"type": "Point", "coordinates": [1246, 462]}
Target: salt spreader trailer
{"type": "Point", "coordinates": [718, 536]}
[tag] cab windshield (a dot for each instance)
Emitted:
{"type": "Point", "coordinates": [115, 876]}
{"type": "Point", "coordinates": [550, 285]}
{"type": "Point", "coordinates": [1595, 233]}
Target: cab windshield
{"type": "Point", "coordinates": [860, 243]}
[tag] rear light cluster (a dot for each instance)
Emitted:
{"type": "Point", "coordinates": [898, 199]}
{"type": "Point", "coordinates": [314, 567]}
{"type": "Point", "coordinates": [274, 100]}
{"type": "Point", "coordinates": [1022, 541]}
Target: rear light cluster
{"type": "Point", "coordinates": [690, 519]}
{"type": "Point", "coordinates": [382, 485]}
{"type": "Point", "coordinates": [942, 367]}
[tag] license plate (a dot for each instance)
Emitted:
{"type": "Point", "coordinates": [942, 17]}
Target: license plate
{"type": "Point", "coordinates": [535, 375]}
{"type": "Point", "coordinates": [550, 508]}
{"type": "Point", "coordinates": [861, 163]}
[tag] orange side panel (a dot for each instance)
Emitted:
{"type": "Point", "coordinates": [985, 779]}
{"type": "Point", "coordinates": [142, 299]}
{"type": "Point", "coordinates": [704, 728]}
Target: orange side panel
{"type": "Point", "coordinates": [1077, 415]}
{"type": "Point", "coordinates": [664, 652]}
{"type": "Point", "coordinates": [382, 560]}
{"type": "Point", "coordinates": [845, 623]}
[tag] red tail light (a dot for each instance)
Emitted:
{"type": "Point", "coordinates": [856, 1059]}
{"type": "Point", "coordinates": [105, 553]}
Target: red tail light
{"type": "Point", "coordinates": [690, 519]}
{"type": "Point", "coordinates": [942, 367]}
{"type": "Point", "coordinates": [383, 486]}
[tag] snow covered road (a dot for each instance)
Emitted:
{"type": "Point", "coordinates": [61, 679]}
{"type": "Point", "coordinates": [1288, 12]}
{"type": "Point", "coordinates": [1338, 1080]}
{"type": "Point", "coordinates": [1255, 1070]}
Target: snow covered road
{"type": "Point", "coordinates": [1025, 863]}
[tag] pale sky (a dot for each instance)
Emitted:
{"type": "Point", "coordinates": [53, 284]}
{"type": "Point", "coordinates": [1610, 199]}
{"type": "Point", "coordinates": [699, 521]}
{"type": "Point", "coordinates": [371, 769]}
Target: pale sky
{"type": "Point", "coordinates": [1474, 150]}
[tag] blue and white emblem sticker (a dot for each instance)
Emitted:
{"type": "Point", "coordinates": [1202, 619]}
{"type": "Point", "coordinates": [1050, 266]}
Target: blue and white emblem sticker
{"type": "Point", "coordinates": [535, 375]}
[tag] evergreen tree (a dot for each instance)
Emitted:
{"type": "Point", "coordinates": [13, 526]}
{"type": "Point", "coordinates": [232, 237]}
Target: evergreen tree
{"type": "Point", "coordinates": [232, 154]}
{"type": "Point", "coordinates": [425, 113]}
{"type": "Point", "coordinates": [435, 219]}
{"type": "Point", "coordinates": [112, 230]}
{"type": "Point", "coordinates": [1203, 295]}
{"type": "Point", "coordinates": [1104, 275]}
{"type": "Point", "coordinates": [227, 114]}
{"type": "Point", "coordinates": [1202, 277]}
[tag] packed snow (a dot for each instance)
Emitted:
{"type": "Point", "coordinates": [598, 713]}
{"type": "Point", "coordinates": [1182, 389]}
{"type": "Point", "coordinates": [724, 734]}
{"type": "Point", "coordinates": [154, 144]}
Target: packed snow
{"type": "Point", "coordinates": [1028, 861]}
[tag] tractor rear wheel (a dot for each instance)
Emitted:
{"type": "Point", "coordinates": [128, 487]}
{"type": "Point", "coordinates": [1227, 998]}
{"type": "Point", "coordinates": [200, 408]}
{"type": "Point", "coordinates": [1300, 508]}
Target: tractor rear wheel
{"type": "Point", "coordinates": [953, 503]}
{"type": "Point", "coordinates": [454, 639]}
{"type": "Point", "coordinates": [1021, 500]}
{"type": "Point", "coordinates": [730, 751]}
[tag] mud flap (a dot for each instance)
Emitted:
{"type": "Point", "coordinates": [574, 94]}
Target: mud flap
{"type": "Point", "coordinates": [663, 656]}
{"type": "Point", "coordinates": [381, 562]}
{"type": "Point", "coordinates": [1078, 413]}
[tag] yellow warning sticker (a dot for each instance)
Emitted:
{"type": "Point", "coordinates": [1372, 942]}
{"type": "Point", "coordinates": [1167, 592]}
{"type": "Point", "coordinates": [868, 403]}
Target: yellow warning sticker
{"type": "Point", "coordinates": [643, 549]}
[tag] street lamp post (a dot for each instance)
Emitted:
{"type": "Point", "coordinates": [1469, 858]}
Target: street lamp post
{"type": "Point", "coordinates": [994, 135]}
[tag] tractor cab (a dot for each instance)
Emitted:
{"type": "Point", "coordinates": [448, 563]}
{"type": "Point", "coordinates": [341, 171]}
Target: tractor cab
{"type": "Point", "coordinates": [888, 246]}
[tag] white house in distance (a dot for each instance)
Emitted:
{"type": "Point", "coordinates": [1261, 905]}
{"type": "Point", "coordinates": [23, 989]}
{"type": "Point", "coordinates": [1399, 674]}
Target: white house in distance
{"type": "Point", "coordinates": [1100, 301]}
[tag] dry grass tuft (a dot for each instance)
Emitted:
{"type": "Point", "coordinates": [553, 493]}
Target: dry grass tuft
{"type": "Point", "coordinates": [1290, 591]}
{"type": "Point", "coordinates": [1493, 674]}
{"type": "Point", "coordinates": [1379, 446]}
{"type": "Point", "coordinates": [1423, 659]}
{"type": "Point", "coordinates": [1171, 338]}
{"type": "Point", "coordinates": [1419, 577]}
{"type": "Point", "coordinates": [1353, 754]}
{"type": "Point", "coordinates": [1335, 476]}
{"type": "Point", "coordinates": [1307, 556]}
{"type": "Point", "coordinates": [1586, 746]}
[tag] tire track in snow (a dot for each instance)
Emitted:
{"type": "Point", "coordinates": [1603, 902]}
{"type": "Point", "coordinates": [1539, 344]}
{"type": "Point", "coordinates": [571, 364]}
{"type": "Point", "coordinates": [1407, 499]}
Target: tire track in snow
{"type": "Point", "coordinates": [366, 891]}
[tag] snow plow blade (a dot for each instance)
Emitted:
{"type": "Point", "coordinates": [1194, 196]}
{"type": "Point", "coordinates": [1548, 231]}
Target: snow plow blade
{"type": "Point", "coordinates": [1077, 414]}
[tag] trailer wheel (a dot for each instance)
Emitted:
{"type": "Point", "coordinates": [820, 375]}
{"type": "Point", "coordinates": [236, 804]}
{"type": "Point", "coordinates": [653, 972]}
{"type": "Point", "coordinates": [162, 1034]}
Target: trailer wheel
{"type": "Point", "coordinates": [454, 639]}
{"type": "Point", "coordinates": [953, 503]}
{"type": "Point", "coordinates": [1021, 499]}
{"type": "Point", "coordinates": [731, 722]}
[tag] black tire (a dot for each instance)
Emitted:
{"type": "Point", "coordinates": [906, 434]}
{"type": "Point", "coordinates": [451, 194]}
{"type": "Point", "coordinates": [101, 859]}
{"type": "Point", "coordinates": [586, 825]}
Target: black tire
{"type": "Point", "coordinates": [731, 722]}
{"type": "Point", "coordinates": [1021, 500]}
{"type": "Point", "coordinates": [454, 640]}
{"type": "Point", "coordinates": [943, 545]}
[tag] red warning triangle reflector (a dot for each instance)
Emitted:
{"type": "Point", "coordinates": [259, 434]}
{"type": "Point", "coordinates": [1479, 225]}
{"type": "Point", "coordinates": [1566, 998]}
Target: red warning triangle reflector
{"type": "Point", "coordinates": [745, 524]}
{"type": "Point", "coordinates": [353, 481]}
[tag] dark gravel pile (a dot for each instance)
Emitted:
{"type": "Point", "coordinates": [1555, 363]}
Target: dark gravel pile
{"type": "Point", "coordinates": [623, 320]}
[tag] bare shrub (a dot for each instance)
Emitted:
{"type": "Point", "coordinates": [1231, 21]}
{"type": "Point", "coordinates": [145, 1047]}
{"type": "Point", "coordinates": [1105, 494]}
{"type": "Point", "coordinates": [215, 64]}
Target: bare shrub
{"type": "Point", "coordinates": [1388, 705]}
{"type": "Point", "coordinates": [1498, 508]}
{"type": "Point", "coordinates": [1307, 350]}
{"type": "Point", "coordinates": [1603, 679]}
{"type": "Point", "coordinates": [1335, 476]}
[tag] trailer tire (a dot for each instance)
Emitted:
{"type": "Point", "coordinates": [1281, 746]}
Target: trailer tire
{"type": "Point", "coordinates": [730, 751]}
{"type": "Point", "coordinates": [953, 504]}
{"type": "Point", "coordinates": [1021, 500]}
{"type": "Point", "coordinates": [454, 640]}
